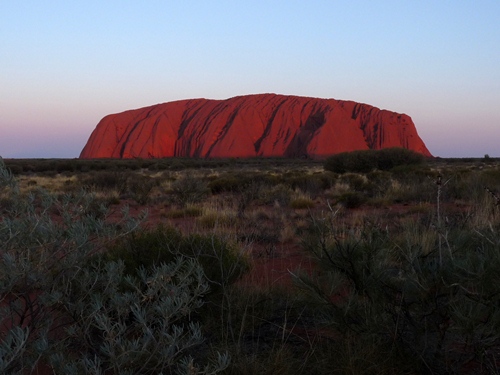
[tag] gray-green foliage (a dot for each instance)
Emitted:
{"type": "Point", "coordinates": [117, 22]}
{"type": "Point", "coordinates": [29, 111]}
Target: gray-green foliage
{"type": "Point", "coordinates": [427, 293]}
{"type": "Point", "coordinates": [61, 305]}
{"type": "Point", "coordinates": [132, 325]}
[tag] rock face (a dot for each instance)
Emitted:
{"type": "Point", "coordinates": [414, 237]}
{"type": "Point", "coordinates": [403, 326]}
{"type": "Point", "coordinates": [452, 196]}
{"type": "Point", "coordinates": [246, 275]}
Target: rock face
{"type": "Point", "coordinates": [265, 125]}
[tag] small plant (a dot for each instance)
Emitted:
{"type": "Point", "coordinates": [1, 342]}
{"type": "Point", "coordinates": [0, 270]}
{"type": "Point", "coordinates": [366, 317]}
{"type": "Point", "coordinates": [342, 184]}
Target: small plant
{"type": "Point", "coordinates": [106, 180]}
{"type": "Point", "coordinates": [228, 183]}
{"type": "Point", "coordinates": [301, 203]}
{"type": "Point", "coordinates": [250, 193]}
{"type": "Point", "coordinates": [310, 184]}
{"type": "Point", "coordinates": [188, 211]}
{"type": "Point", "coordinates": [214, 218]}
{"type": "Point", "coordinates": [140, 188]}
{"type": "Point", "coordinates": [352, 199]}
{"type": "Point", "coordinates": [222, 262]}
{"type": "Point", "coordinates": [279, 195]}
{"type": "Point", "coordinates": [356, 182]}
{"type": "Point", "coordinates": [189, 189]}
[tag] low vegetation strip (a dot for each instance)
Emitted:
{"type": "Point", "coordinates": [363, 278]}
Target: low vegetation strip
{"type": "Point", "coordinates": [250, 267]}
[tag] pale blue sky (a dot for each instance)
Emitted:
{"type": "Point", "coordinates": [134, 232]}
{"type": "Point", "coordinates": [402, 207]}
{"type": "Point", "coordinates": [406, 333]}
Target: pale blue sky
{"type": "Point", "coordinates": [66, 64]}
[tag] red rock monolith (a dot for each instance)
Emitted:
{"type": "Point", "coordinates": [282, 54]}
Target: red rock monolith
{"type": "Point", "coordinates": [263, 125]}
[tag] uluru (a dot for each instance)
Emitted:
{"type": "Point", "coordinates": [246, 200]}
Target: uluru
{"type": "Point", "coordinates": [261, 125]}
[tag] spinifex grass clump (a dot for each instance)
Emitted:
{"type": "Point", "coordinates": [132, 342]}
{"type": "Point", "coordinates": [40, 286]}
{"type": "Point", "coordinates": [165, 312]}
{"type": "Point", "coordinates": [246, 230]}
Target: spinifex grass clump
{"type": "Point", "coordinates": [301, 202]}
{"type": "Point", "coordinates": [188, 189]}
{"type": "Point", "coordinates": [63, 306]}
{"type": "Point", "coordinates": [106, 180]}
{"type": "Point", "coordinates": [429, 293]}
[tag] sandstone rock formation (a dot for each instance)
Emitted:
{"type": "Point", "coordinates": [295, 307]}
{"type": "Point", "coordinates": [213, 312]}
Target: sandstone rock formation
{"type": "Point", "coordinates": [265, 125]}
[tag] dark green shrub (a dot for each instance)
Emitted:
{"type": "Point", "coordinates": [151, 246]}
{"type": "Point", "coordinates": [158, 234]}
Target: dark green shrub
{"type": "Point", "coordinates": [327, 179]}
{"type": "Point", "coordinates": [249, 194]}
{"type": "Point", "coordinates": [279, 194]}
{"type": "Point", "coordinates": [301, 203]}
{"type": "Point", "coordinates": [16, 169]}
{"type": "Point", "coordinates": [355, 181]}
{"type": "Point", "coordinates": [67, 165]}
{"type": "Point", "coordinates": [352, 199]}
{"type": "Point", "coordinates": [222, 263]}
{"type": "Point", "coordinates": [140, 188]}
{"type": "Point", "coordinates": [106, 180]}
{"type": "Point", "coordinates": [226, 184]}
{"type": "Point", "coordinates": [310, 184]}
{"type": "Point", "coordinates": [491, 177]}
{"type": "Point", "coordinates": [420, 293]}
{"type": "Point", "coordinates": [189, 189]}
{"type": "Point", "coordinates": [389, 158]}
{"type": "Point", "coordinates": [365, 161]}
{"type": "Point", "coordinates": [355, 161]}
{"type": "Point", "coordinates": [380, 181]}
{"type": "Point", "coordinates": [238, 182]}
{"type": "Point", "coordinates": [413, 173]}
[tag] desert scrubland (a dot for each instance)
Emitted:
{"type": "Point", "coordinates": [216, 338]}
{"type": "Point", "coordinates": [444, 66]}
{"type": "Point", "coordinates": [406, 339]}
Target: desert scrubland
{"type": "Point", "coordinates": [364, 263]}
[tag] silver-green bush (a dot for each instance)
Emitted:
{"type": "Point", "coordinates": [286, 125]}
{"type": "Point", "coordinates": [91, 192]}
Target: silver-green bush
{"type": "Point", "coordinates": [62, 306]}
